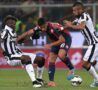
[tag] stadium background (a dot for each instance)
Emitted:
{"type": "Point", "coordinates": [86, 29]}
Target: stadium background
{"type": "Point", "coordinates": [28, 11]}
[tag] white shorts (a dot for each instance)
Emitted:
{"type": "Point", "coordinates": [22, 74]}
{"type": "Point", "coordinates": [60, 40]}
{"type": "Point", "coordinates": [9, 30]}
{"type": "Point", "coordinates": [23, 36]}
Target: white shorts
{"type": "Point", "coordinates": [91, 53]}
{"type": "Point", "coordinates": [16, 62]}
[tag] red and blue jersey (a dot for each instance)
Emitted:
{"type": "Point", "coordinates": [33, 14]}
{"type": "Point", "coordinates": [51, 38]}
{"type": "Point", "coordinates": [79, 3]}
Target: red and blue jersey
{"type": "Point", "coordinates": [54, 30]}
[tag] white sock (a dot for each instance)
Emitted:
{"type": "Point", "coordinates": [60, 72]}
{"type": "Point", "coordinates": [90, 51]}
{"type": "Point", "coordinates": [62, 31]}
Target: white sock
{"type": "Point", "coordinates": [93, 72]}
{"type": "Point", "coordinates": [40, 72]}
{"type": "Point", "coordinates": [96, 66]}
{"type": "Point", "coordinates": [30, 71]}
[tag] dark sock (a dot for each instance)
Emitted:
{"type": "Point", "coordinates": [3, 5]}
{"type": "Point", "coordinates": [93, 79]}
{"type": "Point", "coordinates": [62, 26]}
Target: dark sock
{"type": "Point", "coordinates": [68, 63]}
{"type": "Point", "coordinates": [51, 71]}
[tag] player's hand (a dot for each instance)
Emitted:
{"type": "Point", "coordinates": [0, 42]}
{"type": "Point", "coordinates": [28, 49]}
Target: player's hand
{"type": "Point", "coordinates": [48, 46]}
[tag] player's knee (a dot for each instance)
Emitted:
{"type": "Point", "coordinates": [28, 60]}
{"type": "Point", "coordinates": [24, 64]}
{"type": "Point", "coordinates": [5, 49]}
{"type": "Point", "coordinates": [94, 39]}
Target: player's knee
{"type": "Point", "coordinates": [51, 64]}
{"type": "Point", "coordinates": [86, 65]}
{"type": "Point", "coordinates": [62, 56]}
{"type": "Point", "coordinates": [26, 62]}
{"type": "Point", "coordinates": [40, 61]}
{"type": "Point", "coordinates": [94, 63]}
{"type": "Point", "coordinates": [25, 57]}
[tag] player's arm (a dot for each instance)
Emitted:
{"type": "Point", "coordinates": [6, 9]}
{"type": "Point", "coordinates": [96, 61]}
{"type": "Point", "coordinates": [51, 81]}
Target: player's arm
{"type": "Point", "coordinates": [57, 26]}
{"type": "Point", "coordinates": [80, 26]}
{"type": "Point", "coordinates": [56, 43]}
{"type": "Point", "coordinates": [25, 35]}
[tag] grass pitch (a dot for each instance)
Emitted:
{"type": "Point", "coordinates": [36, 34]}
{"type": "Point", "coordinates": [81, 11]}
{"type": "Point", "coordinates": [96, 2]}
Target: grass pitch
{"type": "Point", "coordinates": [19, 80]}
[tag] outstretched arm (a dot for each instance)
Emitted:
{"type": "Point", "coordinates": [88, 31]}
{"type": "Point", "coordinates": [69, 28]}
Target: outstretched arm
{"type": "Point", "coordinates": [80, 26]}
{"type": "Point", "coordinates": [25, 35]}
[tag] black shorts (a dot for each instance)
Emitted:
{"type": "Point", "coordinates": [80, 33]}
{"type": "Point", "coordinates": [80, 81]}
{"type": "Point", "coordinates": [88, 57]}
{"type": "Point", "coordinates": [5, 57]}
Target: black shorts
{"type": "Point", "coordinates": [66, 45]}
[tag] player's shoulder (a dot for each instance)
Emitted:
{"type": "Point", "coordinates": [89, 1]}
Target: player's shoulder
{"type": "Point", "coordinates": [54, 24]}
{"type": "Point", "coordinates": [5, 30]}
{"type": "Point", "coordinates": [8, 29]}
{"type": "Point", "coordinates": [84, 14]}
{"type": "Point", "coordinates": [49, 23]}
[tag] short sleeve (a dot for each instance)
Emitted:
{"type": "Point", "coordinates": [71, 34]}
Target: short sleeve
{"type": "Point", "coordinates": [83, 18]}
{"type": "Point", "coordinates": [4, 34]}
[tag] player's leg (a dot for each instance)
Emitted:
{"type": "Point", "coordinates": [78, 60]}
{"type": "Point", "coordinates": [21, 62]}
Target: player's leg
{"type": "Point", "coordinates": [40, 65]}
{"type": "Point", "coordinates": [27, 62]}
{"type": "Point", "coordinates": [95, 64]}
{"type": "Point", "coordinates": [40, 61]}
{"type": "Point", "coordinates": [64, 48]}
{"type": "Point", "coordinates": [51, 70]}
{"type": "Point", "coordinates": [66, 60]}
{"type": "Point", "coordinates": [89, 57]}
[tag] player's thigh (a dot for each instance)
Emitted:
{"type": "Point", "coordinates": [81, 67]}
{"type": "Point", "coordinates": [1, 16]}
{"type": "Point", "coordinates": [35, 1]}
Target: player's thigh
{"type": "Point", "coordinates": [52, 57]}
{"type": "Point", "coordinates": [64, 48]}
{"type": "Point", "coordinates": [31, 55]}
{"type": "Point", "coordinates": [14, 62]}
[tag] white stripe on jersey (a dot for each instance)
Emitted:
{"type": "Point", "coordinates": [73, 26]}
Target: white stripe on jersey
{"type": "Point", "coordinates": [7, 44]}
{"type": "Point", "coordinates": [89, 31]}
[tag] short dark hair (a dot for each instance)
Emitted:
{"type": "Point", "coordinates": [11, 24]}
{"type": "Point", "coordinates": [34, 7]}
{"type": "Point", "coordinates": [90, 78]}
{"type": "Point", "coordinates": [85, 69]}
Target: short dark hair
{"type": "Point", "coordinates": [7, 18]}
{"type": "Point", "coordinates": [41, 21]}
{"type": "Point", "coordinates": [78, 4]}
{"type": "Point", "coordinates": [10, 17]}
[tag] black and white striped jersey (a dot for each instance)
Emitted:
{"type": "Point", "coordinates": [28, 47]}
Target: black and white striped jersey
{"type": "Point", "coordinates": [8, 41]}
{"type": "Point", "coordinates": [89, 31]}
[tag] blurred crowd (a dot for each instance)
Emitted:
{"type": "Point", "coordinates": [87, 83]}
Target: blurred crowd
{"type": "Point", "coordinates": [28, 15]}
{"type": "Point", "coordinates": [44, 1]}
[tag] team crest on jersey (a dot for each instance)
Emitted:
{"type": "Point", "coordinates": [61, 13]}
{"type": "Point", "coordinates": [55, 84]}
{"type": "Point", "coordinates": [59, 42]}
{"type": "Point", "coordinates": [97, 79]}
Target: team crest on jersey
{"type": "Point", "coordinates": [64, 46]}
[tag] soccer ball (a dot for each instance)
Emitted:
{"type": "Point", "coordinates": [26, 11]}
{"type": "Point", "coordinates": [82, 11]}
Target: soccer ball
{"type": "Point", "coordinates": [76, 81]}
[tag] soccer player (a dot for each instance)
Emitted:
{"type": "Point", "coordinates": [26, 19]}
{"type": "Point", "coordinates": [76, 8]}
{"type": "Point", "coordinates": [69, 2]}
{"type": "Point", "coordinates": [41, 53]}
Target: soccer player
{"type": "Point", "coordinates": [14, 55]}
{"type": "Point", "coordinates": [60, 44]}
{"type": "Point", "coordinates": [83, 22]}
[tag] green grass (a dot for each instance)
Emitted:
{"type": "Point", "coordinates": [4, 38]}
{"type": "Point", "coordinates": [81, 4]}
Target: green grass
{"type": "Point", "coordinates": [19, 80]}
